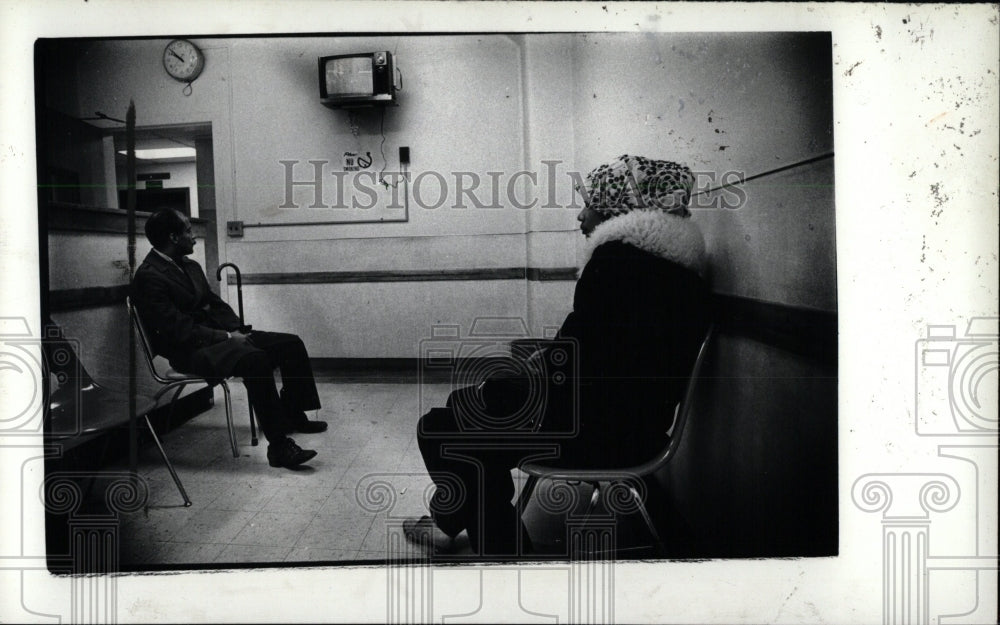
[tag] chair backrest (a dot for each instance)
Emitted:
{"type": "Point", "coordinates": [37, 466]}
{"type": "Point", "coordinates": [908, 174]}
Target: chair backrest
{"type": "Point", "coordinates": [147, 348]}
{"type": "Point", "coordinates": [683, 410]}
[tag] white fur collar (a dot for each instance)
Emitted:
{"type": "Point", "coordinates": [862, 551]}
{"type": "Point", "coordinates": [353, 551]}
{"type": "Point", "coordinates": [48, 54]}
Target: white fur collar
{"type": "Point", "coordinates": [677, 239]}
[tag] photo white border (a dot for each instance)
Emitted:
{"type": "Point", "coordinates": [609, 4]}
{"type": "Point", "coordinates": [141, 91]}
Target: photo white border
{"type": "Point", "coordinates": [899, 72]}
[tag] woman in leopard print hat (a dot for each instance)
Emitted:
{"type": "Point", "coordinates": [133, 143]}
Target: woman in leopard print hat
{"type": "Point", "coordinates": [641, 304]}
{"type": "Point", "coordinates": [640, 311]}
{"type": "Point", "coordinates": [631, 182]}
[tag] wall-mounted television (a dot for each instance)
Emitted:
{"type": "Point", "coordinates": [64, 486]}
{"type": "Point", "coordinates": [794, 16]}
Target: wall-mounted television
{"type": "Point", "coordinates": [352, 80]}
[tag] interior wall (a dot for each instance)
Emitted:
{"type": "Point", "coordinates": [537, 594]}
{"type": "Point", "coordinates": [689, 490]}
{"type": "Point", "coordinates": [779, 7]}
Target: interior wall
{"type": "Point", "coordinates": [99, 334]}
{"type": "Point", "coordinates": [779, 246]}
{"type": "Point", "coordinates": [78, 260]}
{"type": "Point", "coordinates": [755, 474]}
{"type": "Point", "coordinates": [733, 102]}
{"type": "Point", "coordinates": [262, 99]}
{"type": "Point", "coordinates": [746, 103]}
{"type": "Point", "coordinates": [467, 84]}
{"type": "Point", "coordinates": [75, 153]}
{"type": "Point", "coordinates": [552, 231]}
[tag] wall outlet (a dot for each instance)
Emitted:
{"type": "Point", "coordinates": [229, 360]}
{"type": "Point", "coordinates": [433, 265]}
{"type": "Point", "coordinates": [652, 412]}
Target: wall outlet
{"type": "Point", "coordinates": [234, 228]}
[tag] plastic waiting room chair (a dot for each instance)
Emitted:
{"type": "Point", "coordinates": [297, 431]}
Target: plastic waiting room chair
{"type": "Point", "coordinates": [81, 410]}
{"type": "Point", "coordinates": [624, 476]}
{"type": "Point", "coordinates": [172, 379]}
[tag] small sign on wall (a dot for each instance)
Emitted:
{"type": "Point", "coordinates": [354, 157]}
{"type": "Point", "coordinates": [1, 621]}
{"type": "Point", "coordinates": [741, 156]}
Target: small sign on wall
{"type": "Point", "coordinates": [353, 161]}
{"type": "Point", "coordinates": [350, 188]}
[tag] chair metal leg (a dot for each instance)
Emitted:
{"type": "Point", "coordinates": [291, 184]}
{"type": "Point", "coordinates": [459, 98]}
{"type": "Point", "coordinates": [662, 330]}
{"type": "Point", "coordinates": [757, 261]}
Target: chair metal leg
{"type": "Point", "coordinates": [525, 497]}
{"type": "Point", "coordinates": [229, 419]}
{"type": "Point", "coordinates": [649, 521]}
{"type": "Point", "coordinates": [253, 427]}
{"type": "Point", "coordinates": [170, 467]}
{"type": "Point", "coordinates": [177, 393]}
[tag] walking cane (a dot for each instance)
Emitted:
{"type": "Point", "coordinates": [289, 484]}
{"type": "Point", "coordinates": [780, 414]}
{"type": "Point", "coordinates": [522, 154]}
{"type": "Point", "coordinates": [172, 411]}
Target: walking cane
{"type": "Point", "coordinates": [239, 299]}
{"type": "Point", "coordinates": [239, 285]}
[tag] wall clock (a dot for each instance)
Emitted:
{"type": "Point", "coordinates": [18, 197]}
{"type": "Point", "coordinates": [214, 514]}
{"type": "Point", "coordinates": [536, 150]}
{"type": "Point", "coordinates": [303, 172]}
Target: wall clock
{"type": "Point", "coordinates": [183, 60]}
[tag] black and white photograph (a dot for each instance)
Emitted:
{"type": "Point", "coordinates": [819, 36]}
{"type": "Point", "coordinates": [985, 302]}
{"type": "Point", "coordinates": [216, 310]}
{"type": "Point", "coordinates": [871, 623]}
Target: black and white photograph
{"type": "Point", "coordinates": [588, 318]}
{"type": "Point", "coordinates": [525, 285]}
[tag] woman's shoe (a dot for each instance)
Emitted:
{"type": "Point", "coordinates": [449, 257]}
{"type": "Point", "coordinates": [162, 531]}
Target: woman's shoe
{"type": "Point", "coordinates": [425, 533]}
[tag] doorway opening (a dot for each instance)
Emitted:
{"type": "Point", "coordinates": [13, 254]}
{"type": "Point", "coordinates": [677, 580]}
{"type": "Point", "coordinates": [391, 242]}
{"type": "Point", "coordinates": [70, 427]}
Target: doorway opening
{"type": "Point", "coordinates": [174, 169]}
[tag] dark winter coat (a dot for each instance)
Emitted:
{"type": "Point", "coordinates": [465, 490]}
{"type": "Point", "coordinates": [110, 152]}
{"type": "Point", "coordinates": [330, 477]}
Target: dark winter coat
{"type": "Point", "coordinates": [186, 322]}
{"type": "Point", "coordinates": [640, 312]}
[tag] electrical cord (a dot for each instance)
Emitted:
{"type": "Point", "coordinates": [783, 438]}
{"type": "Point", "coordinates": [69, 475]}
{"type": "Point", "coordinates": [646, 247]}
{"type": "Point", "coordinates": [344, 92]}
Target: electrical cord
{"type": "Point", "coordinates": [385, 162]}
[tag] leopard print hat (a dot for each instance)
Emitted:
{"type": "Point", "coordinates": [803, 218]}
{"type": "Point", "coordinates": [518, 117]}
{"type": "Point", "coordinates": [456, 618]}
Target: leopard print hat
{"type": "Point", "coordinates": [630, 182]}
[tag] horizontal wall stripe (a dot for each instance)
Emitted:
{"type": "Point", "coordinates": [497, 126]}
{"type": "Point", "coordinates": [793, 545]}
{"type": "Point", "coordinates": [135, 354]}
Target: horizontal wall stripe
{"type": "Point", "coordinates": [536, 274]}
{"type": "Point", "coordinates": [406, 275]}
{"type": "Point", "coordinates": [97, 296]}
{"type": "Point", "coordinates": [807, 332]}
{"type": "Point", "coordinates": [551, 274]}
{"type": "Point", "coordinates": [65, 299]}
{"type": "Point", "coordinates": [89, 297]}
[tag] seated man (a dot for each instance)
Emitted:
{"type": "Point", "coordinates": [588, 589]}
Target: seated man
{"type": "Point", "coordinates": [199, 333]}
{"type": "Point", "coordinates": [640, 312]}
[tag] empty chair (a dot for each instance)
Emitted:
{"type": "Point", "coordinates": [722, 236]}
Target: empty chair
{"type": "Point", "coordinates": [81, 410]}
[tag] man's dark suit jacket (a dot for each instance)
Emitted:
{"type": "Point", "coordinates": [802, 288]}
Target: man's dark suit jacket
{"type": "Point", "coordinates": [186, 322]}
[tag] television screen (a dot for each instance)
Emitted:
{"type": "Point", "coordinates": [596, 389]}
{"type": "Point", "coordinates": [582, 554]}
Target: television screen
{"type": "Point", "coordinates": [350, 76]}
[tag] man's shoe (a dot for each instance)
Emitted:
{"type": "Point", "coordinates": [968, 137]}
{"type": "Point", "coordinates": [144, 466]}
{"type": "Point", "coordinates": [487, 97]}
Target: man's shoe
{"type": "Point", "coordinates": [288, 454]}
{"type": "Point", "coordinates": [309, 427]}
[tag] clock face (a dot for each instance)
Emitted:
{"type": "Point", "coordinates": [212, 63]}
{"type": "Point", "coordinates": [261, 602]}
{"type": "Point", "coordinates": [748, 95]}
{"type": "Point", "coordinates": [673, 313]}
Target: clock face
{"type": "Point", "coordinates": [183, 60]}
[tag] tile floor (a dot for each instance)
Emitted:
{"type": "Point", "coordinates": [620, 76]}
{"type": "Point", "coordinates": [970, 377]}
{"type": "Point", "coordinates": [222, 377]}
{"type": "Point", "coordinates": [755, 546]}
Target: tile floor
{"type": "Point", "coordinates": [342, 506]}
